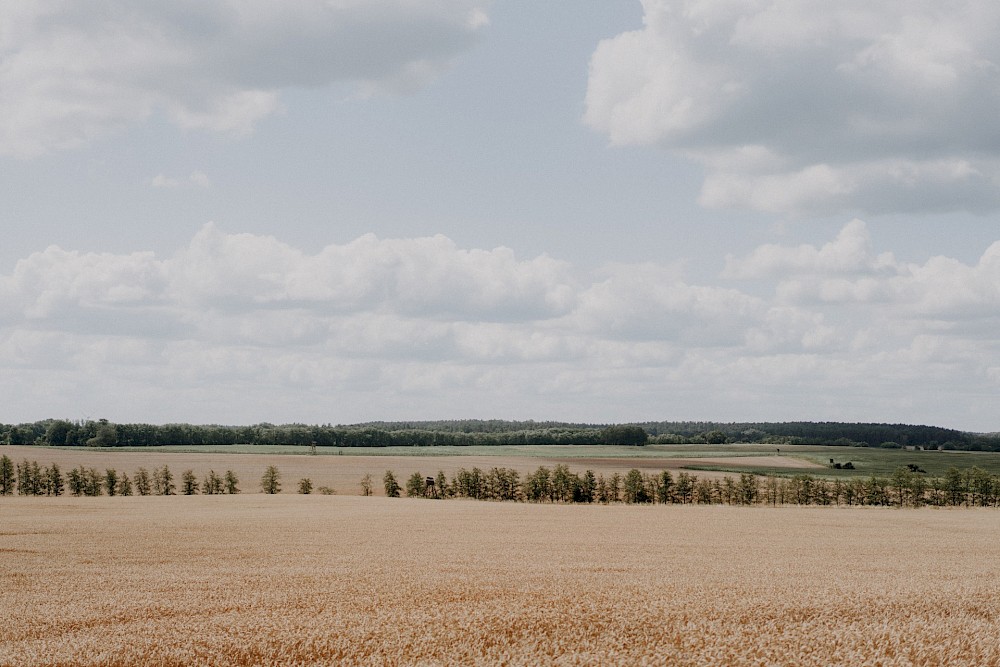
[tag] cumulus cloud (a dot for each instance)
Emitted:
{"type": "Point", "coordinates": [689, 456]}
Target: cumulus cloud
{"type": "Point", "coordinates": [164, 181]}
{"type": "Point", "coordinates": [70, 72]}
{"type": "Point", "coordinates": [813, 106]}
{"type": "Point", "coordinates": [429, 277]}
{"type": "Point", "coordinates": [198, 179]}
{"type": "Point", "coordinates": [848, 271]}
{"type": "Point", "coordinates": [645, 302]}
{"type": "Point", "coordinates": [234, 327]}
{"type": "Point", "coordinates": [946, 288]}
{"type": "Point", "coordinates": [850, 253]}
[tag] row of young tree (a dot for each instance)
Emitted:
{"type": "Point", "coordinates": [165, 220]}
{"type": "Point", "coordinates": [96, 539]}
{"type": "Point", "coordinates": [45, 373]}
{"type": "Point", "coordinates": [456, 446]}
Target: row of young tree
{"type": "Point", "coordinates": [270, 482]}
{"type": "Point", "coordinates": [30, 479]}
{"type": "Point", "coordinates": [905, 488]}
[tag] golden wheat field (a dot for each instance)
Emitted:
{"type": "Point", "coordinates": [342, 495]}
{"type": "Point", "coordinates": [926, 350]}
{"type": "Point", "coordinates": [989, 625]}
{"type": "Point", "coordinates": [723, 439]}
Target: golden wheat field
{"type": "Point", "coordinates": [321, 580]}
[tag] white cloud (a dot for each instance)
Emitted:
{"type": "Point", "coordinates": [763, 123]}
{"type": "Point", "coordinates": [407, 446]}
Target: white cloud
{"type": "Point", "coordinates": [70, 72]}
{"type": "Point", "coordinates": [45, 283]}
{"type": "Point", "coordinates": [943, 287]}
{"type": "Point", "coordinates": [198, 179]}
{"type": "Point", "coordinates": [804, 107]}
{"type": "Point", "coordinates": [163, 181]}
{"type": "Point", "coordinates": [848, 271]}
{"type": "Point", "coordinates": [644, 302]}
{"type": "Point", "coordinates": [233, 113]}
{"type": "Point", "coordinates": [849, 253]}
{"type": "Point", "coordinates": [239, 327]}
{"type": "Point", "coordinates": [429, 277]}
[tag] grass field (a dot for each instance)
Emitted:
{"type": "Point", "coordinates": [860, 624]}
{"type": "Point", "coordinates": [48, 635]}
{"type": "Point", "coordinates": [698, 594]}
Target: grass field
{"type": "Point", "coordinates": [867, 460]}
{"type": "Point", "coordinates": [319, 580]}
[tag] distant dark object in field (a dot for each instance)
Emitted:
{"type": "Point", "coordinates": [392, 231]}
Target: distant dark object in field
{"type": "Point", "coordinates": [915, 468]}
{"type": "Point", "coordinates": [842, 466]}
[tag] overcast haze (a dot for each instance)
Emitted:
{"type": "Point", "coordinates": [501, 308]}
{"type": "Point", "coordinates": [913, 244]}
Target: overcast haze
{"type": "Point", "coordinates": [348, 210]}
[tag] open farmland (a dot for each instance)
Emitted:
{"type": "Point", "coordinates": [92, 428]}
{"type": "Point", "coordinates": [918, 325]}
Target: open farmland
{"type": "Point", "coordinates": [779, 460]}
{"type": "Point", "coordinates": [254, 579]}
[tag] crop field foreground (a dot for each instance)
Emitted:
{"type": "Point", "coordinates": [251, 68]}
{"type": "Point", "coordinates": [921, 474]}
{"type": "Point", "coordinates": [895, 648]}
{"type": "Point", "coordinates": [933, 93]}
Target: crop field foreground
{"type": "Point", "coordinates": [320, 580]}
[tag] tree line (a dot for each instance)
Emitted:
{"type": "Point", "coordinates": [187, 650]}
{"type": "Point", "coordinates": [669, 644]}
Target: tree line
{"type": "Point", "coordinates": [102, 433]}
{"type": "Point", "coordinates": [904, 488]}
{"type": "Point", "coordinates": [30, 479]}
{"type": "Point", "coordinates": [822, 433]}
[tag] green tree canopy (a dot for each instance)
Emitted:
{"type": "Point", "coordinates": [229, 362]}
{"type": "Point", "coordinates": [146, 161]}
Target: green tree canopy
{"type": "Point", "coordinates": [270, 480]}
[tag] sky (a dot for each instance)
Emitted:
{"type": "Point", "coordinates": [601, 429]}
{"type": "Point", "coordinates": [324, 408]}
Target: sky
{"type": "Point", "coordinates": [336, 211]}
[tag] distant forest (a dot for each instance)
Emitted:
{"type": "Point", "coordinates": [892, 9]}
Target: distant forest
{"type": "Point", "coordinates": [102, 433]}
